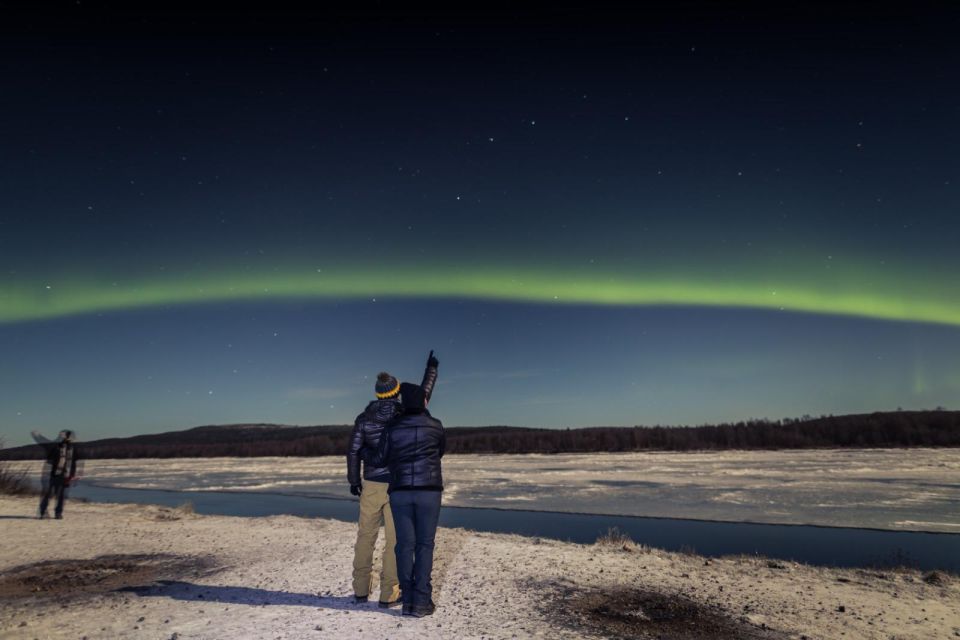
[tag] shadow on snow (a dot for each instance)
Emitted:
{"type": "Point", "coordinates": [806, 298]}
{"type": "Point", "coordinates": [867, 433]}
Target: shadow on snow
{"type": "Point", "coordinates": [190, 592]}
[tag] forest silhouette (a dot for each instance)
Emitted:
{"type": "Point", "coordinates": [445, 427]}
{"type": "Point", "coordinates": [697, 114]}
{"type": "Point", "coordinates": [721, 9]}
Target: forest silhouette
{"type": "Point", "coordinates": [938, 428]}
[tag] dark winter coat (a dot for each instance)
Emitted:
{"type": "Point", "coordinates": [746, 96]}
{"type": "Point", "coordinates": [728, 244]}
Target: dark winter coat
{"type": "Point", "coordinates": [367, 429]}
{"type": "Point", "coordinates": [53, 452]}
{"type": "Point", "coordinates": [365, 437]}
{"type": "Point", "coordinates": [411, 447]}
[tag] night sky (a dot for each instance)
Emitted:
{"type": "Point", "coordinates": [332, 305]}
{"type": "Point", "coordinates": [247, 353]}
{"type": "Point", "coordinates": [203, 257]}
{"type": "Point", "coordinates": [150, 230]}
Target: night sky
{"type": "Point", "coordinates": [593, 217]}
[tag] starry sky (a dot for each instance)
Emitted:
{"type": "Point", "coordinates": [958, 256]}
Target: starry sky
{"type": "Point", "coordinates": [594, 217]}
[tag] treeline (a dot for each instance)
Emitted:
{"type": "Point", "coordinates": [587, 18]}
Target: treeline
{"type": "Point", "coordinates": [890, 429]}
{"type": "Point", "coordinates": [214, 441]}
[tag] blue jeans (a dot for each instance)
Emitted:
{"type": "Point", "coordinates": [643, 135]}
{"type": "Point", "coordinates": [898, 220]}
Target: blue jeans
{"type": "Point", "coordinates": [415, 515]}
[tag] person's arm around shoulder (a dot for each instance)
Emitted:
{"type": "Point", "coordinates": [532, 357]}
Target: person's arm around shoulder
{"type": "Point", "coordinates": [430, 376]}
{"type": "Point", "coordinates": [443, 438]}
{"type": "Point", "coordinates": [353, 456]}
{"type": "Point", "coordinates": [380, 457]}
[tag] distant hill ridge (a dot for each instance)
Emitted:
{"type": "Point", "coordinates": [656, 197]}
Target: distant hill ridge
{"type": "Point", "coordinates": [938, 428]}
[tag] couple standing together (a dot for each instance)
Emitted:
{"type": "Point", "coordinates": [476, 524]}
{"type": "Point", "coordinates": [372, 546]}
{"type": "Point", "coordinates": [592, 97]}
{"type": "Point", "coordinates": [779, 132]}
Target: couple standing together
{"type": "Point", "coordinates": [399, 445]}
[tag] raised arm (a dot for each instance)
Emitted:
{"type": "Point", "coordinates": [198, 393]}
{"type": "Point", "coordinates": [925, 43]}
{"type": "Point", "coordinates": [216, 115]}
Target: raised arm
{"type": "Point", "coordinates": [48, 446]}
{"type": "Point", "coordinates": [429, 376]}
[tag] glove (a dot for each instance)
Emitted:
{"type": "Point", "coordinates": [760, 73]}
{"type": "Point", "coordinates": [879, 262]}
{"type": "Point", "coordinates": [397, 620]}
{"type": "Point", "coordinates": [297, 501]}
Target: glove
{"type": "Point", "coordinates": [356, 489]}
{"type": "Point", "coordinates": [432, 361]}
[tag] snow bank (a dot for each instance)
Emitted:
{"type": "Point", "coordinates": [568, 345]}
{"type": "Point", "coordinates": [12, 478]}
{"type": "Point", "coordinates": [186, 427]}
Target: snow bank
{"type": "Point", "coordinates": [131, 571]}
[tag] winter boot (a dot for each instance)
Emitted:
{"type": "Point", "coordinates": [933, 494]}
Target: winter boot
{"type": "Point", "coordinates": [424, 610]}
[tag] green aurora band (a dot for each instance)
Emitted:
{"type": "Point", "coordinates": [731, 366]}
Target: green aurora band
{"type": "Point", "coordinates": [850, 292]}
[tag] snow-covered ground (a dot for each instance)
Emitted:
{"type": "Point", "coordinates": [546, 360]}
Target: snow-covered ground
{"type": "Point", "coordinates": [905, 489]}
{"type": "Point", "coordinates": [130, 571]}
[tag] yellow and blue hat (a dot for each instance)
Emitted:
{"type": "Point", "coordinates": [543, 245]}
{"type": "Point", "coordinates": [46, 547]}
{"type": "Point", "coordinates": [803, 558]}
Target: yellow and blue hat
{"type": "Point", "coordinates": [387, 386]}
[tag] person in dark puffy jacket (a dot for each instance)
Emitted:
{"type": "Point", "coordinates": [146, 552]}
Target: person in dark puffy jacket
{"type": "Point", "coordinates": [372, 489]}
{"type": "Point", "coordinates": [411, 448]}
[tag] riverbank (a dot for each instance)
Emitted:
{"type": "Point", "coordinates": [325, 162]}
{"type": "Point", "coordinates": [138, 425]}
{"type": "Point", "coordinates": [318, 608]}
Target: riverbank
{"type": "Point", "coordinates": [823, 546]}
{"type": "Point", "coordinates": [132, 571]}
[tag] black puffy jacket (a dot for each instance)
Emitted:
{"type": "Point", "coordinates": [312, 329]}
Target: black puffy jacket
{"type": "Point", "coordinates": [367, 429]}
{"type": "Point", "coordinates": [365, 437]}
{"type": "Point", "coordinates": [411, 447]}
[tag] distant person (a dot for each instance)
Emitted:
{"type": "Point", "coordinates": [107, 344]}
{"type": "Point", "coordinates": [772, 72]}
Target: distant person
{"type": "Point", "coordinates": [61, 462]}
{"type": "Point", "coordinates": [411, 448]}
{"type": "Point", "coordinates": [372, 490]}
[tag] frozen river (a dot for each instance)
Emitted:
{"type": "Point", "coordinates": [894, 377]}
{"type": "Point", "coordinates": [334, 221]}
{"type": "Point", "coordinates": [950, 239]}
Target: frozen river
{"type": "Point", "coordinates": [896, 489]}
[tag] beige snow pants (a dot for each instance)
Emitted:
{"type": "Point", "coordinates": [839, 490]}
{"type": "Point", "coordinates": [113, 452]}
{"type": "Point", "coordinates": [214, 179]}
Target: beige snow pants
{"type": "Point", "coordinates": [374, 511]}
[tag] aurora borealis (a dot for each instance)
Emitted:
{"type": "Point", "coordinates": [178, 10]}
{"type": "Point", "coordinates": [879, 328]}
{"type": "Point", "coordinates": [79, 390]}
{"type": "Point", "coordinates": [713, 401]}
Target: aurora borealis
{"type": "Point", "coordinates": [596, 217]}
{"type": "Point", "coordinates": [836, 293]}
